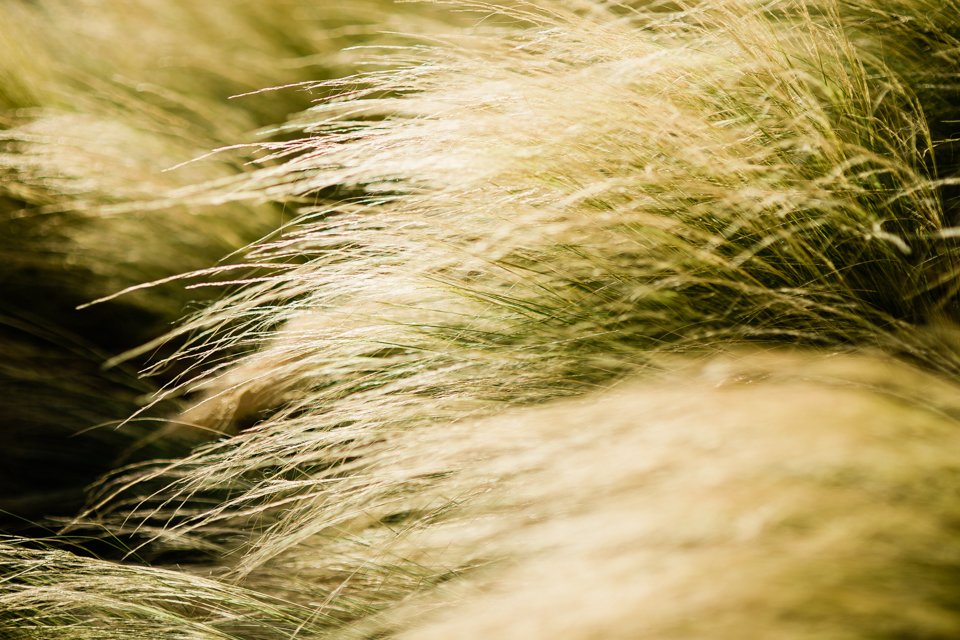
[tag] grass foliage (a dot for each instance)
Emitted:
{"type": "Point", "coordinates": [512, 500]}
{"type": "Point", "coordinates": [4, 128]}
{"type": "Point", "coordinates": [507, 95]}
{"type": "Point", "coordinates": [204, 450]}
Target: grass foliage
{"type": "Point", "coordinates": [425, 267]}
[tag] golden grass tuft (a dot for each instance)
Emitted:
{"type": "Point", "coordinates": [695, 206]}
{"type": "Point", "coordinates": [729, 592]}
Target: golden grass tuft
{"type": "Point", "coordinates": [552, 318]}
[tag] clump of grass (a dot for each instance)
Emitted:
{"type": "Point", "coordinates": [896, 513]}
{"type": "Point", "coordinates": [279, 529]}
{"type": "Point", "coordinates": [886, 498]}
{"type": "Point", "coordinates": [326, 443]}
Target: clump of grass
{"type": "Point", "coordinates": [56, 594]}
{"type": "Point", "coordinates": [735, 172]}
{"type": "Point", "coordinates": [797, 496]}
{"type": "Point", "coordinates": [90, 137]}
{"type": "Point", "coordinates": [99, 103]}
{"type": "Point", "coordinates": [565, 194]}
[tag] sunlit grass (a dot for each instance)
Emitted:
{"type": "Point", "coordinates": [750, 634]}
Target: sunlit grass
{"type": "Point", "coordinates": [524, 205]}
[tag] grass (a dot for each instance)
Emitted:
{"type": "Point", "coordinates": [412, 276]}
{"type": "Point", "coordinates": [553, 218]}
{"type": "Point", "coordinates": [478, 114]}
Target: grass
{"type": "Point", "coordinates": [438, 271]}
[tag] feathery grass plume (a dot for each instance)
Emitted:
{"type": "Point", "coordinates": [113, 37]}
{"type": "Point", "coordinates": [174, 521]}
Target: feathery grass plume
{"type": "Point", "coordinates": [104, 98]}
{"type": "Point", "coordinates": [751, 495]}
{"type": "Point", "coordinates": [55, 594]}
{"type": "Point", "coordinates": [98, 100]}
{"type": "Point", "coordinates": [736, 171]}
{"type": "Point", "coordinates": [567, 193]}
